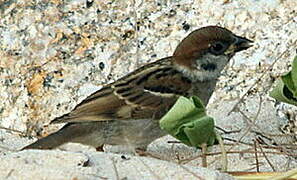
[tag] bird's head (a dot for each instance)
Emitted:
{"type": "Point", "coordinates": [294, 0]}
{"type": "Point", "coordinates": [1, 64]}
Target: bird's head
{"type": "Point", "coordinates": [204, 53]}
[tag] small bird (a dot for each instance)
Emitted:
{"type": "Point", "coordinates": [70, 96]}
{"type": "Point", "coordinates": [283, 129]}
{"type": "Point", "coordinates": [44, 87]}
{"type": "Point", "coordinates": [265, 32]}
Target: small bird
{"type": "Point", "coordinates": [127, 111]}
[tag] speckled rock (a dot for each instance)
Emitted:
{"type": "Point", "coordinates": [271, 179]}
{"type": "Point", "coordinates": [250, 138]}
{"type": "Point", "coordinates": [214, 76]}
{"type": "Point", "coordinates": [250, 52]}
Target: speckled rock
{"type": "Point", "coordinates": [59, 165]}
{"type": "Point", "coordinates": [55, 53]}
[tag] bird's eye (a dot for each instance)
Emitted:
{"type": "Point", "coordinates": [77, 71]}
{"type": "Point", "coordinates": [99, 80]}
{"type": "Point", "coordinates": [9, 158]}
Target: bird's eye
{"type": "Point", "coordinates": [218, 48]}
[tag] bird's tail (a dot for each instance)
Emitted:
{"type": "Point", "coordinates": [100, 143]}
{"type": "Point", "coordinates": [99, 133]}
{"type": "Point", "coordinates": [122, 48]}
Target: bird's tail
{"type": "Point", "coordinates": [53, 140]}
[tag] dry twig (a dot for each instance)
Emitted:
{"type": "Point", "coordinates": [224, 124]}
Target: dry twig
{"type": "Point", "coordinates": [256, 157]}
{"type": "Point", "coordinates": [264, 154]}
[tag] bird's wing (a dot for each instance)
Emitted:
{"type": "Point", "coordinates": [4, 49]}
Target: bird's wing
{"type": "Point", "coordinates": [148, 92]}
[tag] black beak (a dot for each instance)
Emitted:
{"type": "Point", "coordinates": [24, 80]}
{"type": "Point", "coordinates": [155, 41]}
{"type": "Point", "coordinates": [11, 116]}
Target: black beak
{"type": "Point", "coordinates": [242, 43]}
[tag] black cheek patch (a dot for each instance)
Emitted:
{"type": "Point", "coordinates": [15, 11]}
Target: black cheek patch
{"type": "Point", "coordinates": [209, 66]}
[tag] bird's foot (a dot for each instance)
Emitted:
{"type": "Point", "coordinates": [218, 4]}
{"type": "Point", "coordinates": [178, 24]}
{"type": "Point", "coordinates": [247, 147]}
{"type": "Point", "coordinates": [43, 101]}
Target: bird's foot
{"type": "Point", "coordinates": [141, 152]}
{"type": "Point", "coordinates": [100, 148]}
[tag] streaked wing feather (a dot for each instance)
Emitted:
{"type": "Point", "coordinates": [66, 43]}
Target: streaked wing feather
{"type": "Point", "coordinates": [99, 106]}
{"type": "Point", "coordinates": [145, 93]}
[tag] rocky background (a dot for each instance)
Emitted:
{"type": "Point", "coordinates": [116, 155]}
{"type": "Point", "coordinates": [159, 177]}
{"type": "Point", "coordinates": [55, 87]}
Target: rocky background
{"type": "Point", "coordinates": [55, 53]}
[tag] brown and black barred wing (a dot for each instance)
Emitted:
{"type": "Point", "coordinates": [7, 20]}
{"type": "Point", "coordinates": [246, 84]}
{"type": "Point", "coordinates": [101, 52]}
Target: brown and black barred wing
{"type": "Point", "coordinates": [148, 92]}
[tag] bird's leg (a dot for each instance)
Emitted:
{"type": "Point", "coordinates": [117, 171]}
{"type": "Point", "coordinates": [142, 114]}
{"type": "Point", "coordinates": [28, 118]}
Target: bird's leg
{"type": "Point", "coordinates": [144, 152]}
{"type": "Point", "coordinates": [100, 148]}
{"type": "Point", "coordinates": [141, 151]}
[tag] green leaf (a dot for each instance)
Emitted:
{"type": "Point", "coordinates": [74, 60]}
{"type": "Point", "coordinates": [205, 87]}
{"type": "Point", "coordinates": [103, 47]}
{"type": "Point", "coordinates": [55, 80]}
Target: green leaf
{"type": "Point", "coordinates": [286, 89]}
{"type": "Point", "coordinates": [187, 121]}
{"type": "Point", "coordinates": [288, 81]}
{"type": "Point", "coordinates": [280, 93]}
{"type": "Point", "coordinates": [199, 131]}
{"type": "Point", "coordinates": [294, 77]}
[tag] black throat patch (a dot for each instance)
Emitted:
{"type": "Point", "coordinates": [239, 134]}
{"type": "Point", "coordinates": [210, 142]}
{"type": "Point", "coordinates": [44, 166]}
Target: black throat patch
{"type": "Point", "coordinates": [209, 66]}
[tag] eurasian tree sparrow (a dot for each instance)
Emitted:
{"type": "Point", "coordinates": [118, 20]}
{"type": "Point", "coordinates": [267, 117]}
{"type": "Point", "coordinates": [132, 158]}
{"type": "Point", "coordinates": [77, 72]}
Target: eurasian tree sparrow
{"type": "Point", "coordinates": [127, 111]}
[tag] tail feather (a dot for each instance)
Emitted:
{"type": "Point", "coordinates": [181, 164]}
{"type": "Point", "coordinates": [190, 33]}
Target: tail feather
{"type": "Point", "coordinates": [53, 140]}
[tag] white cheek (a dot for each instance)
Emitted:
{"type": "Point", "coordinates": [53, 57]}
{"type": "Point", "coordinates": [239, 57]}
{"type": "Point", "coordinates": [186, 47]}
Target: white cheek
{"type": "Point", "coordinates": [220, 61]}
{"type": "Point", "coordinates": [201, 74]}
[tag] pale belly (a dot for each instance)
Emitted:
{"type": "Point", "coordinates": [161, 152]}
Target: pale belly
{"type": "Point", "coordinates": [135, 133]}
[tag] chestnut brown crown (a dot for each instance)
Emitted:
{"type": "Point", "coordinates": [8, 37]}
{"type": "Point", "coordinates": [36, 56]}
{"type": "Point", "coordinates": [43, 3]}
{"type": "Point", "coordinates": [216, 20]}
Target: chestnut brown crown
{"type": "Point", "coordinates": [206, 51]}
